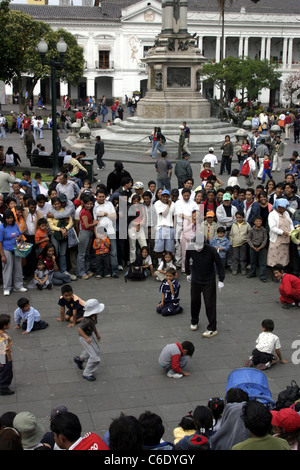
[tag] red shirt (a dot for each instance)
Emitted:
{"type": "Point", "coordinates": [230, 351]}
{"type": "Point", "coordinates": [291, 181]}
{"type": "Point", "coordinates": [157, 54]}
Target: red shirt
{"type": "Point", "coordinates": [89, 216]}
{"type": "Point", "coordinates": [90, 441]}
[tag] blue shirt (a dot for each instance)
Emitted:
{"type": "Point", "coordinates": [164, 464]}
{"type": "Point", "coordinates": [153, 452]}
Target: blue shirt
{"type": "Point", "coordinates": [221, 243]}
{"type": "Point", "coordinates": [31, 316]}
{"type": "Point", "coordinates": [8, 235]}
{"type": "Point", "coordinates": [165, 288]}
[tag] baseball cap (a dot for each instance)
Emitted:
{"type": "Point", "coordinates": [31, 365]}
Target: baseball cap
{"type": "Point", "coordinates": [24, 183]}
{"type": "Point", "coordinates": [138, 185]}
{"type": "Point", "coordinates": [211, 149]}
{"type": "Point", "coordinates": [165, 191]}
{"type": "Point", "coordinates": [226, 197]}
{"type": "Point", "coordinates": [210, 214]}
{"type": "Point", "coordinates": [63, 197]}
{"type": "Point", "coordinates": [286, 418]}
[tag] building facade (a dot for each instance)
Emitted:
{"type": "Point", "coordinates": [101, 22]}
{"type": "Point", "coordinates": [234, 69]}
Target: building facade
{"type": "Point", "coordinates": [116, 35]}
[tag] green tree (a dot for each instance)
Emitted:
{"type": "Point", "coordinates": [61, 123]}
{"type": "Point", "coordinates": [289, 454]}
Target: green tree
{"type": "Point", "coordinates": [23, 34]}
{"type": "Point", "coordinates": [245, 74]}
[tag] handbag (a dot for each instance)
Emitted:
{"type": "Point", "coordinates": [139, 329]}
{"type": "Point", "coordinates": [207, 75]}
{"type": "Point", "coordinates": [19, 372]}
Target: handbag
{"type": "Point", "coordinates": [72, 238]}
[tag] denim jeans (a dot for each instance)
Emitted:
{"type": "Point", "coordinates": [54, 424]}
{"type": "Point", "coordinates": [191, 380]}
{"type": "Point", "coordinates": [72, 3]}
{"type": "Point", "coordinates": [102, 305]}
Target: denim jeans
{"type": "Point", "coordinates": [113, 256]}
{"type": "Point", "coordinates": [164, 183]}
{"type": "Point", "coordinates": [259, 258]}
{"type": "Point", "coordinates": [83, 258]}
{"type": "Point", "coordinates": [61, 252]}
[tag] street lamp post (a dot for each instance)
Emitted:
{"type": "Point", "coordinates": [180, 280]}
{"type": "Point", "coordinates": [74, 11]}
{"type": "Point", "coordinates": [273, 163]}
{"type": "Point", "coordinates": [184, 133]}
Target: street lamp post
{"type": "Point", "coordinates": [54, 65]}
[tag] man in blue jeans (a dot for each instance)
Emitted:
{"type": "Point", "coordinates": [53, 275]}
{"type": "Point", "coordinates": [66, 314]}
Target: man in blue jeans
{"type": "Point", "coordinates": [164, 172]}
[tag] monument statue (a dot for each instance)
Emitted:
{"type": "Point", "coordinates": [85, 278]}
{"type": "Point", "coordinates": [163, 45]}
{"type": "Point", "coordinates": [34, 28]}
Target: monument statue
{"type": "Point", "coordinates": [174, 64]}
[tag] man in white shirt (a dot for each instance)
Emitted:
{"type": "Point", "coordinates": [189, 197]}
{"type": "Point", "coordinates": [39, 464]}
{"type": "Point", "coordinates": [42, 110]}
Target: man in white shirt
{"type": "Point", "coordinates": [164, 238]}
{"type": "Point", "coordinates": [210, 158]}
{"type": "Point", "coordinates": [105, 213]}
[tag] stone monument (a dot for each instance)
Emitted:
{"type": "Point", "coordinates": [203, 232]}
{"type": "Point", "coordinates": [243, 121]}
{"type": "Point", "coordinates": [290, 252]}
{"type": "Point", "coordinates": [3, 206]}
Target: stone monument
{"type": "Point", "coordinates": [174, 64]}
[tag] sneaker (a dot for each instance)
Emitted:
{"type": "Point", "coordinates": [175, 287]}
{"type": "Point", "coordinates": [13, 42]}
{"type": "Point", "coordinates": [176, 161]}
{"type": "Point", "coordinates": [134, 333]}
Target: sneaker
{"type": "Point", "coordinates": [249, 362]}
{"type": "Point", "coordinates": [244, 272]}
{"type": "Point", "coordinates": [174, 375]}
{"type": "Point", "coordinates": [234, 273]}
{"type": "Point", "coordinates": [71, 276]}
{"type": "Point", "coordinates": [85, 276]}
{"type": "Point", "coordinates": [6, 292]}
{"type": "Point", "coordinates": [107, 275]}
{"type": "Point", "coordinates": [90, 274]}
{"type": "Point", "coordinates": [194, 327]}
{"type": "Point", "coordinates": [120, 267]}
{"type": "Point", "coordinates": [23, 289]}
{"type": "Point", "coordinates": [289, 306]}
{"type": "Point", "coordinates": [116, 276]}
{"type": "Point", "coordinates": [209, 333]}
{"type": "Point", "coordinates": [91, 378]}
{"type": "Point", "coordinates": [79, 362]}
{"type": "Point", "coordinates": [98, 276]}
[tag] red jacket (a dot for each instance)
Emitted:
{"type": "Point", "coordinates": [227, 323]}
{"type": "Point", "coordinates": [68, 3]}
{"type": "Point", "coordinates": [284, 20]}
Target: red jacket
{"type": "Point", "coordinates": [90, 441]}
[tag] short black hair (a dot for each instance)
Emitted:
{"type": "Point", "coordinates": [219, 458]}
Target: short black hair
{"type": "Point", "coordinates": [189, 347]}
{"type": "Point", "coordinates": [268, 324]}
{"type": "Point", "coordinates": [126, 434]}
{"type": "Point", "coordinates": [153, 428]}
{"type": "Point", "coordinates": [66, 288]}
{"type": "Point", "coordinates": [4, 320]}
{"type": "Point", "coordinates": [221, 230]}
{"type": "Point", "coordinates": [257, 418]}
{"type": "Point", "coordinates": [66, 424]}
{"type": "Point", "coordinates": [236, 395]}
{"type": "Point", "coordinates": [22, 302]}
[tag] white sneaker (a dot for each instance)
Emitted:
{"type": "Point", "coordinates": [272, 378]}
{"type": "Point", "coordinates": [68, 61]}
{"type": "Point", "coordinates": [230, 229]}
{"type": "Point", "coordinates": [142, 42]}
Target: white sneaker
{"type": "Point", "coordinates": [6, 292]}
{"type": "Point", "coordinates": [23, 289]}
{"type": "Point", "coordinates": [209, 333]}
{"type": "Point", "coordinates": [174, 375]}
{"type": "Point", "coordinates": [194, 327]}
{"type": "Point", "coordinates": [120, 267]}
{"type": "Point", "coordinates": [72, 276]}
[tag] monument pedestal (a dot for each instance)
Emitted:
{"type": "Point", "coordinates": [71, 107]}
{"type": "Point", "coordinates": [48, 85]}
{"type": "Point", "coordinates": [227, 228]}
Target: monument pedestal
{"type": "Point", "coordinates": [174, 66]}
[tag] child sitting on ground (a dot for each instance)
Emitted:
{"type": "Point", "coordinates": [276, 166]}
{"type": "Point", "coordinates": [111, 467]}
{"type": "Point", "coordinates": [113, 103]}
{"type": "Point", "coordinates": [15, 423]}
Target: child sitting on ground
{"type": "Point", "coordinates": [28, 316]}
{"type": "Point", "coordinates": [166, 262]}
{"type": "Point", "coordinates": [169, 288]}
{"type": "Point", "coordinates": [42, 278]}
{"type": "Point", "coordinates": [266, 344]}
{"type": "Point", "coordinates": [186, 427]}
{"type": "Point", "coordinates": [73, 303]}
{"type": "Point", "coordinates": [174, 357]}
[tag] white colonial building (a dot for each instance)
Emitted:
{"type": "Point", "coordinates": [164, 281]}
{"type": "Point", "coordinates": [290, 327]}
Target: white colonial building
{"type": "Point", "coordinates": [117, 34]}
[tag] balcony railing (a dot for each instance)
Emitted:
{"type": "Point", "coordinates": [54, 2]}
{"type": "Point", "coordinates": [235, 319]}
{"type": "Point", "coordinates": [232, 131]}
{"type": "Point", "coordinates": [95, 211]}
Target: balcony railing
{"type": "Point", "coordinates": [104, 66]}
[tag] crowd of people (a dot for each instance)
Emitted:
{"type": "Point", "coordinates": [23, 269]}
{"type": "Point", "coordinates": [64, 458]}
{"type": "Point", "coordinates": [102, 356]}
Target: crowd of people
{"type": "Point", "coordinates": [73, 230]}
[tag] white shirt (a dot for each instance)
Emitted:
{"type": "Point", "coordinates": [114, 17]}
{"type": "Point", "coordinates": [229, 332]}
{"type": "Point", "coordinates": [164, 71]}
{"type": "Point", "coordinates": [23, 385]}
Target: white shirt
{"type": "Point", "coordinates": [44, 210]}
{"type": "Point", "coordinates": [105, 222]}
{"type": "Point", "coordinates": [210, 158]}
{"type": "Point", "coordinates": [267, 342]}
{"type": "Point", "coordinates": [164, 220]}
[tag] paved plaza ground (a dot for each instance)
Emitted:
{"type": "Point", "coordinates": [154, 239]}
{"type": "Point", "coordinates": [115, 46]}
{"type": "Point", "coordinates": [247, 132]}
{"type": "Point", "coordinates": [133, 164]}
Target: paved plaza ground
{"type": "Point", "coordinates": [129, 378]}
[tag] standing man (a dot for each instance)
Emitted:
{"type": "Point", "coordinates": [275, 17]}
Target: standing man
{"type": "Point", "coordinates": [183, 170]}
{"type": "Point", "coordinates": [164, 172]}
{"type": "Point", "coordinates": [29, 141]}
{"type": "Point", "coordinates": [2, 127]}
{"type": "Point", "coordinates": [278, 154]}
{"type": "Point", "coordinates": [187, 135]}
{"type": "Point", "coordinates": [203, 281]}
{"type": "Point", "coordinates": [211, 158]}
{"type": "Point", "coordinates": [260, 153]}
{"type": "Point", "coordinates": [181, 142]}
{"type": "Point", "coordinates": [287, 125]}
{"type": "Point", "coordinates": [99, 152]}
{"type": "Point", "coordinates": [227, 153]}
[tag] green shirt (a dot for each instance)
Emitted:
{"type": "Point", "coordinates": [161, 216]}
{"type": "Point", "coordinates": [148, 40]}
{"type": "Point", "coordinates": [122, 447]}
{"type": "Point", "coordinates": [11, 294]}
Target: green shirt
{"type": "Point", "coordinates": [267, 442]}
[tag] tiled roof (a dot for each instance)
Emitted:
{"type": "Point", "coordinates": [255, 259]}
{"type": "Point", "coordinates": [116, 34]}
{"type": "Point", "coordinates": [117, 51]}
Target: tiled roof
{"type": "Point", "coordinates": [111, 10]}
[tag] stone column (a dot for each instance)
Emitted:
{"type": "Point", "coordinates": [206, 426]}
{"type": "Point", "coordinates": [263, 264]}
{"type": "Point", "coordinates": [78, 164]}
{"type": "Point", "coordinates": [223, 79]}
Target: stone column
{"type": "Point", "coordinates": [167, 16]}
{"type": "Point", "coordinates": [241, 47]}
{"type": "Point", "coordinates": [268, 49]}
{"type": "Point", "coordinates": [183, 5]}
{"type": "Point", "coordinates": [284, 52]}
{"type": "Point", "coordinates": [290, 53]}
{"type": "Point", "coordinates": [262, 48]}
{"type": "Point", "coordinates": [246, 46]}
{"type": "Point", "coordinates": [218, 48]}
